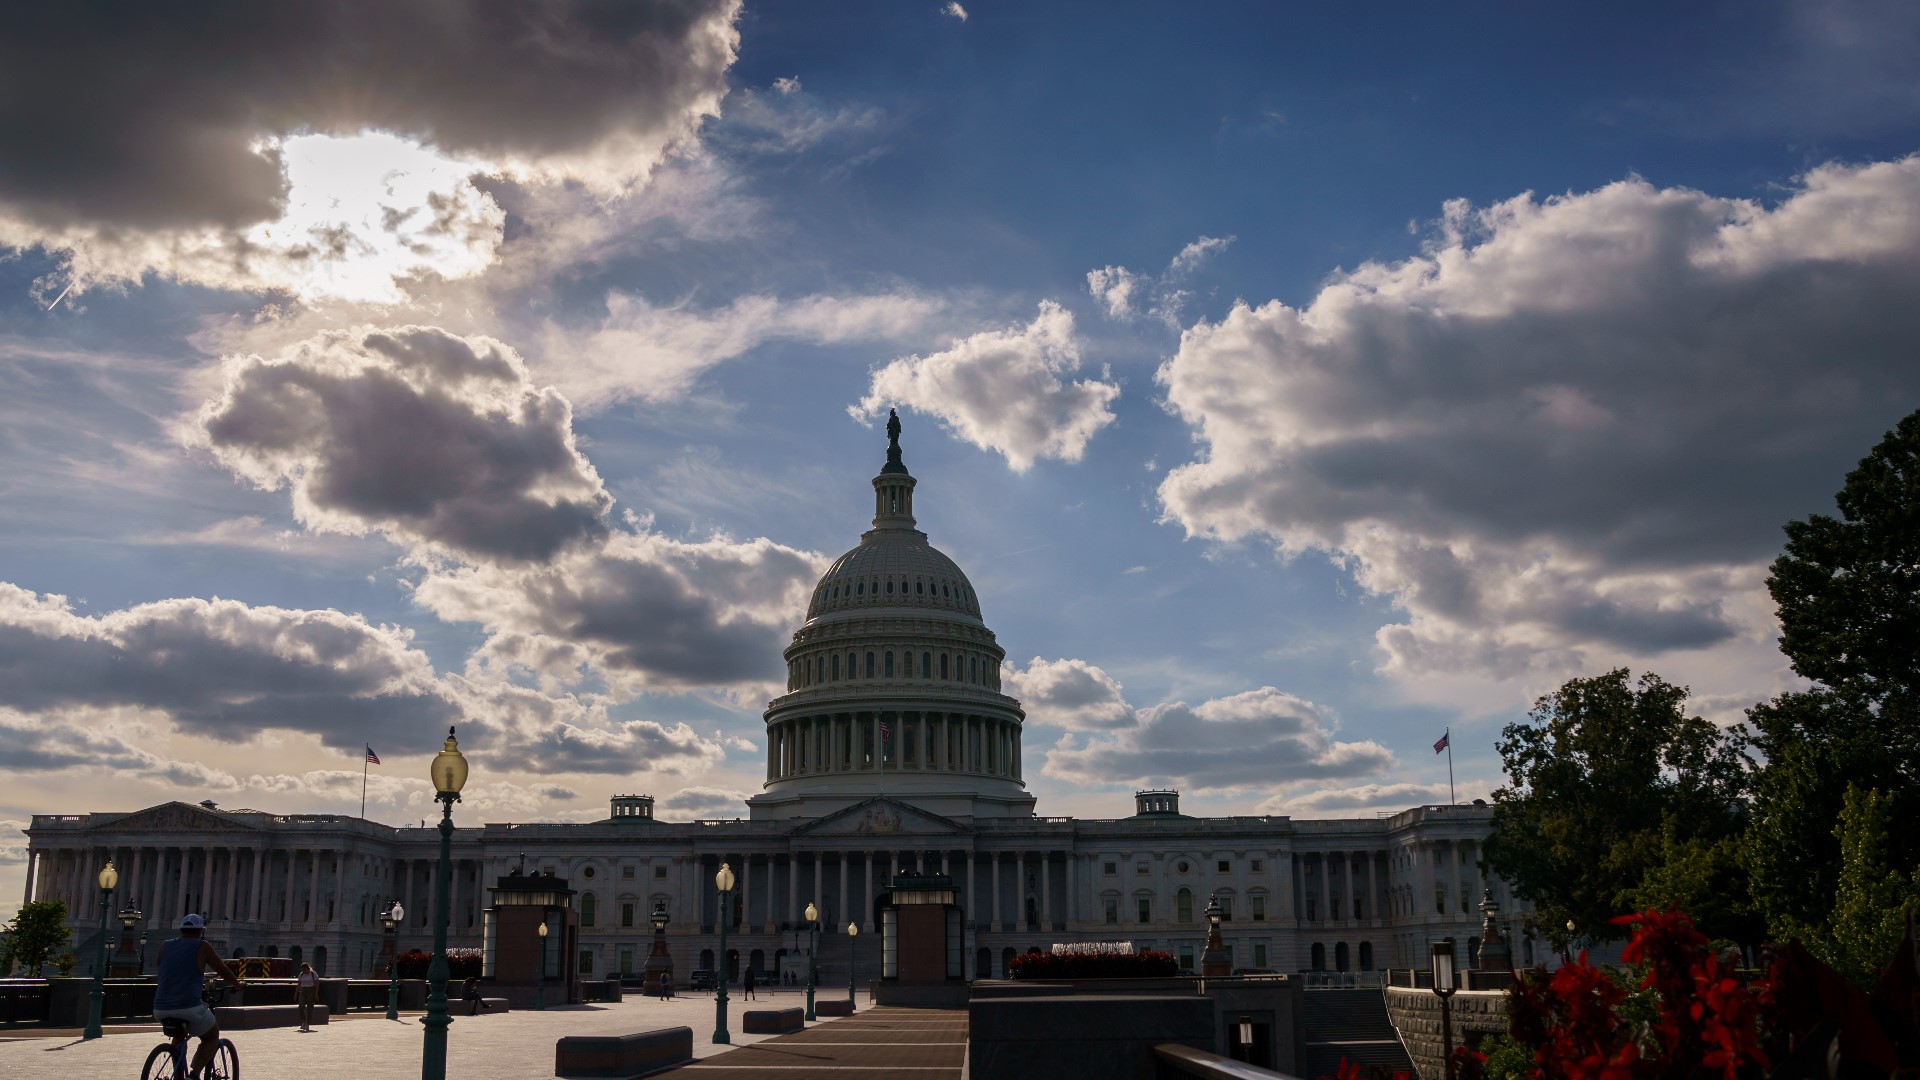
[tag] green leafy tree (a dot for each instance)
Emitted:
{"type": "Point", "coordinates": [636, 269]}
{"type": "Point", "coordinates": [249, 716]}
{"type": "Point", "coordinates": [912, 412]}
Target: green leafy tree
{"type": "Point", "coordinates": [1868, 907]}
{"type": "Point", "coordinates": [1848, 593]}
{"type": "Point", "coordinates": [1604, 778]}
{"type": "Point", "coordinates": [1704, 877]}
{"type": "Point", "coordinates": [6, 952]}
{"type": "Point", "coordinates": [37, 932]}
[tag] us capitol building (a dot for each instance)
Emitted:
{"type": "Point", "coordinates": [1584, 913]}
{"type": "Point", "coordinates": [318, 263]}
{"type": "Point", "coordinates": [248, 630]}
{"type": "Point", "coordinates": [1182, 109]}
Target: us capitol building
{"type": "Point", "coordinates": [893, 749]}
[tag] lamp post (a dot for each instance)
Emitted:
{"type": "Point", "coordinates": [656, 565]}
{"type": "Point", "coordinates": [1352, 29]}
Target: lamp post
{"type": "Point", "coordinates": [540, 973]}
{"type": "Point", "coordinates": [129, 918]}
{"type": "Point", "coordinates": [449, 774]}
{"type": "Point", "coordinates": [1215, 962]}
{"type": "Point", "coordinates": [853, 931]}
{"type": "Point", "coordinates": [813, 927]}
{"type": "Point", "coordinates": [723, 881]}
{"type": "Point", "coordinates": [109, 877]}
{"type": "Point", "coordinates": [658, 962]}
{"type": "Point", "coordinates": [1566, 954]}
{"type": "Point", "coordinates": [391, 919]}
{"type": "Point", "coordinates": [1443, 989]}
{"type": "Point", "coordinates": [143, 953]}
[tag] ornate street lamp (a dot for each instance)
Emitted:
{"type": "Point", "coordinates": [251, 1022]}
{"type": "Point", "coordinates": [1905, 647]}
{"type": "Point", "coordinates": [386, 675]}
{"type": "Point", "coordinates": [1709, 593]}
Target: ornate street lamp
{"type": "Point", "coordinates": [143, 953]}
{"type": "Point", "coordinates": [123, 957]}
{"type": "Point", "coordinates": [1215, 961]}
{"type": "Point", "coordinates": [1443, 989]}
{"type": "Point", "coordinates": [813, 929]}
{"type": "Point", "coordinates": [391, 918]}
{"type": "Point", "coordinates": [658, 962]}
{"type": "Point", "coordinates": [723, 881]}
{"type": "Point", "coordinates": [449, 774]}
{"type": "Point", "coordinates": [853, 931]}
{"type": "Point", "coordinates": [540, 973]}
{"type": "Point", "coordinates": [109, 877]}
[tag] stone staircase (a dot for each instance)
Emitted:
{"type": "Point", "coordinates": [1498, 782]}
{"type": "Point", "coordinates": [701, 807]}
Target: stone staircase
{"type": "Point", "coordinates": [1347, 1023]}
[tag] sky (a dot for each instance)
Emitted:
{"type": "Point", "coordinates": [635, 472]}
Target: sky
{"type": "Point", "coordinates": [1295, 383]}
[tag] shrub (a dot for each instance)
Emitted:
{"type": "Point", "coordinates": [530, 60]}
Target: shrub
{"type": "Point", "coordinates": [462, 964]}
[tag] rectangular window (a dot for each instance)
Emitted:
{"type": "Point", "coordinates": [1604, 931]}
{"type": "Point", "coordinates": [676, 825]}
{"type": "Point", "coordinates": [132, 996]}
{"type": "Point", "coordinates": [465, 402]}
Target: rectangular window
{"type": "Point", "coordinates": [1113, 910]}
{"type": "Point", "coordinates": [1112, 869]}
{"type": "Point", "coordinates": [1440, 901]}
{"type": "Point", "coordinates": [660, 872]}
{"type": "Point", "coordinates": [626, 914]}
{"type": "Point", "coordinates": [627, 872]}
{"type": "Point", "coordinates": [1226, 867]}
{"type": "Point", "coordinates": [1140, 870]}
{"type": "Point", "coordinates": [586, 962]}
{"type": "Point", "coordinates": [1259, 909]}
{"type": "Point", "coordinates": [1146, 909]}
{"type": "Point", "coordinates": [1226, 907]}
{"type": "Point", "coordinates": [1259, 867]}
{"type": "Point", "coordinates": [1259, 954]}
{"type": "Point", "coordinates": [1186, 957]}
{"type": "Point", "coordinates": [626, 959]}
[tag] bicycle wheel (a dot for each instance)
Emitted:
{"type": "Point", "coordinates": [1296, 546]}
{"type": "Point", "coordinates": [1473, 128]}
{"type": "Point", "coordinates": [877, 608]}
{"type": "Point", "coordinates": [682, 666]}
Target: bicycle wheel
{"type": "Point", "coordinates": [226, 1062]}
{"type": "Point", "coordinates": [159, 1064]}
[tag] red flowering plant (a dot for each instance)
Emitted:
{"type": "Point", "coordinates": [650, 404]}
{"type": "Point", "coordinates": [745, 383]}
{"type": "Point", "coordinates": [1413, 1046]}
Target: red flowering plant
{"type": "Point", "coordinates": [1705, 1022]}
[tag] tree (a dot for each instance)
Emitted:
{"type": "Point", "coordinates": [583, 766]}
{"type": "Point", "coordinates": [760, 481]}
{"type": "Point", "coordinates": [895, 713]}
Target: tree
{"type": "Point", "coordinates": [1604, 780]}
{"type": "Point", "coordinates": [1848, 595]}
{"type": "Point", "coordinates": [38, 931]}
{"type": "Point", "coordinates": [1868, 916]}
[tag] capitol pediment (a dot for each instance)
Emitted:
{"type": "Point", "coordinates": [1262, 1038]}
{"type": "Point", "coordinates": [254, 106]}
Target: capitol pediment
{"type": "Point", "coordinates": [175, 817]}
{"type": "Point", "coordinates": [882, 817]}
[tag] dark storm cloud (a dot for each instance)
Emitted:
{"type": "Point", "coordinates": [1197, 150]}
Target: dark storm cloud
{"type": "Point", "coordinates": [216, 668]}
{"type": "Point", "coordinates": [1572, 423]}
{"type": "Point", "coordinates": [142, 115]}
{"type": "Point", "coordinates": [423, 434]}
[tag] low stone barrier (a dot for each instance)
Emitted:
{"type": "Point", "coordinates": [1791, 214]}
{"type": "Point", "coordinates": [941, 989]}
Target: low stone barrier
{"type": "Point", "coordinates": [1416, 1016]}
{"type": "Point", "coordinates": [833, 1007]}
{"type": "Point", "coordinates": [774, 1021]}
{"type": "Point", "coordinates": [464, 1006]}
{"type": "Point", "coordinates": [1111, 1036]}
{"type": "Point", "coordinates": [623, 1056]}
{"type": "Point", "coordinates": [254, 1017]}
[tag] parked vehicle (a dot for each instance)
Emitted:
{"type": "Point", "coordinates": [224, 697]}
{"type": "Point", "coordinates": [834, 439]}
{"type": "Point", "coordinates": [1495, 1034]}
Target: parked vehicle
{"type": "Point", "coordinates": [701, 979]}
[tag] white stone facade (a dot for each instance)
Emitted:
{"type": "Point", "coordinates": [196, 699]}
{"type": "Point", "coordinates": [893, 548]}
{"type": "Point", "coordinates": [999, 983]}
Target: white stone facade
{"type": "Point", "coordinates": [893, 749]}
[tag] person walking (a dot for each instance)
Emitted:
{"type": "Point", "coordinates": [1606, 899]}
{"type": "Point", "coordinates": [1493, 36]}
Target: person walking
{"type": "Point", "coordinates": [666, 987]}
{"type": "Point", "coordinates": [747, 984]}
{"type": "Point", "coordinates": [309, 995]}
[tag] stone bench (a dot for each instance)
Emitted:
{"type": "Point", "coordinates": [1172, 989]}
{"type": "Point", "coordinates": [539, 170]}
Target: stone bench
{"type": "Point", "coordinates": [833, 1007]}
{"type": "Point", "coordinates": [463, 1006]}
{"type": "Point", "coordinates": [624, 1056]}
{"type": "Point", "coordinates": [774, 1021]}
{"type": "Point", "coordinates": [254, 1017]}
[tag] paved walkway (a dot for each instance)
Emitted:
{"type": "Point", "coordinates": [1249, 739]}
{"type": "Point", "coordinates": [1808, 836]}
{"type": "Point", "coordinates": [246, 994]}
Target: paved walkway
{"type": "Point", "coordinates": [916, 1044]}
{"type": "Point", "coordinates": [514, 1046]}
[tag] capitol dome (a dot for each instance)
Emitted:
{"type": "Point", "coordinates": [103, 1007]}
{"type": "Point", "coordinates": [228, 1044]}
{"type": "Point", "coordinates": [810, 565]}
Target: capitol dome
{"type": "Point", "coordinates": [893, 682]}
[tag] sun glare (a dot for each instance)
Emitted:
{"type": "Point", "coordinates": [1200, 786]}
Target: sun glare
{"type": "Point", "coordinates": [364, 211]}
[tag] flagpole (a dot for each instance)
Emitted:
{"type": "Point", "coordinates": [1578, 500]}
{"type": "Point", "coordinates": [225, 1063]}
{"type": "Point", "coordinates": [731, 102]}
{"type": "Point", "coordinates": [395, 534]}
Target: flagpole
{"type": "Point", "coordinates": [363, 786]}
{"type": "Point", "coordinates": [1451, 797]}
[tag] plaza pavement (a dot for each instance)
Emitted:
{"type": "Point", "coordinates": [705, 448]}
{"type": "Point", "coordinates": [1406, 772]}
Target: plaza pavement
{"type": "Point", "coordinates": [510, 1046]}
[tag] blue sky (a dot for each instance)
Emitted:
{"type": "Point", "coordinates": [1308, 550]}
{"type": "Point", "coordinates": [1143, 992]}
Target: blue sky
{"type": "Point", "coordinates": [1294, 382]}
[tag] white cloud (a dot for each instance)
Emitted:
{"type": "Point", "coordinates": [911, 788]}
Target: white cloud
{"type": "Point", "coordinates": [1569, 432]}
{"type": "Point", "coordinates": [1347, 801]}
{"type": "Point", "coordinates": [1257, 739]}
{"type": "Point", "coordinates": [1072, 694]}
{"type": "Point", "coordinates": [654, 353]}
{"type": "Point", "coordinates": [787, 84]}
{"type": "Point", "coordinates": [1128, 295]}
{"type": "Point", "coordinates": [706, 802]}
{"type": "Point", "coordinates": [1002, 390]}
{"type": "Point", "coordinates": [1115, 286]}
{"type": "Point", "coordinates": [1191, 256]}
{"type": "Point", "coordinates": [954, 10]}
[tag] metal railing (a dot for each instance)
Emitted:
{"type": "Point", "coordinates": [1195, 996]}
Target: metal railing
{"type": "Point", "coordinates": [1342, 980]}
{"type": "Point", "coordinates": [1175, 1062]}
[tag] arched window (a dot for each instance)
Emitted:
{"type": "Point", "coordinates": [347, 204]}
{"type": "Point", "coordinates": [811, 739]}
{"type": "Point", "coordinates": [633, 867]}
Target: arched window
{"type": "Point", "coordinates": [943, 665]}
{"type": "Point", "coordinates": [588, 905]}
{"type": "Point", "coordinates": [869, 663]}
{"type": "Point", "coordinates": [836, 666]}
{"type": "Point", "coordinates": [1183, 905]}
{"type": "Point", "coordinates": [926, 665]}
{"type": "Point", "coordinates": [1319, 957]}
{"type": "Point", "coordinates": [889, 586]}
{"type": "Point", "coordinates": [1366, 956]}
{"type": "Point", "coordinates": [860, 589]}
{"type": "Point", "coordinates": [919, 588]}
{"type": "Point", "coordinates": [973, 669]}
{"type": "Point", "coordinates": [1340, 956]}
{"type": "Point", "coordinates": [889, 663]}
{"type": "Point", "coordinates": [853, 665]}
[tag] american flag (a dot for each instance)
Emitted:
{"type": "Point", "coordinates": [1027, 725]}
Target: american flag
{"type": "Point", "coordinates": [372, 758]}
{"type": "Point", "coordinates": [1441, 746]}
{"type": "Point", "coordinates": [886, 731]}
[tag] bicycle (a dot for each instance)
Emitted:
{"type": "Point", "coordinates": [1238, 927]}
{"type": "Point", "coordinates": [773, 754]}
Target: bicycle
{"type": "Point", "coordinates": [168, 1061]}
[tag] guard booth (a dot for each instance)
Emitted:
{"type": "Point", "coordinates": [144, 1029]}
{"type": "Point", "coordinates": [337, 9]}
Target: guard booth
{"type": "Point", "coordinates": [516, 962]}
{"type": "Point", "coordinates": [922, 943]}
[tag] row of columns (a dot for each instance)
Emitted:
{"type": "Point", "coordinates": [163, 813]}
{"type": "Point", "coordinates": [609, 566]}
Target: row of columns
{"type": "Point", "coordinates": [1360, 876]}
{"type": "Point", "coordinates": [910, 740]}
{"type": "Point", "coordinates": [1449, 884]}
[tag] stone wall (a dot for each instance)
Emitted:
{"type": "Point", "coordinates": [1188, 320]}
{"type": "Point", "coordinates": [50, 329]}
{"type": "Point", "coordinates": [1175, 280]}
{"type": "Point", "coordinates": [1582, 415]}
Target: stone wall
{"type": "Point", "coordinates": [1416, 1016]}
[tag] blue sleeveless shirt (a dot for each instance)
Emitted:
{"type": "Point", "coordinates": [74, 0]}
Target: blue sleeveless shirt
{"type": "Point", "coordinates": [179, 974]}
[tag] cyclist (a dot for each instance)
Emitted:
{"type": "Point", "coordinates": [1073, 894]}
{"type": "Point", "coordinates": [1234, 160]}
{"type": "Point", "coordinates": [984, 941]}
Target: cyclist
{"type": "Point", "coordinates": [177, 995]}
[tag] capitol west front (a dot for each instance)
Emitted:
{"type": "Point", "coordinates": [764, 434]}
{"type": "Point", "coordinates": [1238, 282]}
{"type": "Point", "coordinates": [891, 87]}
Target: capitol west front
{"type": "Point", "coordinates": [893, 749]}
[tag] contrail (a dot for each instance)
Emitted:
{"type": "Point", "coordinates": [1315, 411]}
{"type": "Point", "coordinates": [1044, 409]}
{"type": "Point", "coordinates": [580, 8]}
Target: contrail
{"type": "Point", "coordinates": [62, 296]}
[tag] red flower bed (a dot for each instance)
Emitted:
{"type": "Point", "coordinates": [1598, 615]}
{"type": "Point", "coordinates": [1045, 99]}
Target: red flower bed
{"type": "Point", "coordinates": [1145, 964]}
{"type": "Point", "coordinates": [462, 964]}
